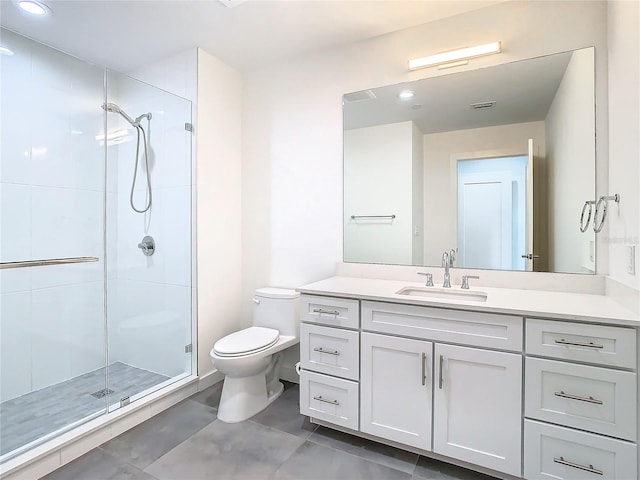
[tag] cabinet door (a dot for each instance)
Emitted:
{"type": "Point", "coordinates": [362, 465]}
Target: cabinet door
{"type": "Point", "coordinates": [395, 389]}
{"type": "Point", "coordinates": [477, 407]}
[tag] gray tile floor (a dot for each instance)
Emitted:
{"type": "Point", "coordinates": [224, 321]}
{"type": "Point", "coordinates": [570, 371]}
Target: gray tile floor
{"type": "Point", "coordinates": [187, 442]}
{"type": "Point", "coordinates": [39, 413]}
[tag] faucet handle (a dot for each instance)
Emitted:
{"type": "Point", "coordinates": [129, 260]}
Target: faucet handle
{"type": "Point", "coordinates": [465, 280]}
{"type": "Point", "coordinates": [429, 278]}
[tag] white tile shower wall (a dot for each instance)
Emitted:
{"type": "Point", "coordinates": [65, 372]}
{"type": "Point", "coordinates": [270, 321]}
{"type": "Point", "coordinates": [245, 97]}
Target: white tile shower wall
{"type": "Point", "coordinates": [15, 344]}
{"type": "Point", "coordinates": [150, 301]}
{"type": "Point", "coordinates": [147, 326]}
{"type": "Point", "coordinates": [51, 188]}
{"type": "Point", "coordinates": [292, 142]}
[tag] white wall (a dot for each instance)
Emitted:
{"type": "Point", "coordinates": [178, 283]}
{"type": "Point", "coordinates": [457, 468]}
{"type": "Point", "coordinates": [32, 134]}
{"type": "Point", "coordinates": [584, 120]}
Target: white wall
{"type": "Point", "coordinates": [219, 150]}
{"type": "Point", "coordinates": [417, 195]}
{"type": "Point", "coordinates": [378, 174]}
{"type": "Point", "coordinates": [292, 146]}
{"type": "Point", "coordinates": [624, 139]}
{"type": "Point", "coordinates": [440, 181]}
{"type": "Point", "coordinates": [570, 138]}
{"type": "Point", "coordinates": [51, 201]}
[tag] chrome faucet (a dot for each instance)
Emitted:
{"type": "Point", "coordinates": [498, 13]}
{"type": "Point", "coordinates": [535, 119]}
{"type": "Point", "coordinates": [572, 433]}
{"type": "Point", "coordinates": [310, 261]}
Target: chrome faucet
{"type": "Point", "coordinates": [447, 275]}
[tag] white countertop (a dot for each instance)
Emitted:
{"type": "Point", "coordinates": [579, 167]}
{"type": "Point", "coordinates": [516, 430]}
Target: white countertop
{"type": "Point", "coordinates": [533, 303]}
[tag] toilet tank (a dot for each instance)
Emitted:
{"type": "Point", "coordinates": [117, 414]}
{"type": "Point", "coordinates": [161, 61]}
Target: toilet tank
{"type": "Point", "coordinates": [277, 308]}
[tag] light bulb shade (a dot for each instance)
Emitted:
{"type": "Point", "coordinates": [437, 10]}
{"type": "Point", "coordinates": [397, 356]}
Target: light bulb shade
{"type": "Point", "coordinates": [34, 7]}
{"type": "Point", "coordinates": [455, 55]}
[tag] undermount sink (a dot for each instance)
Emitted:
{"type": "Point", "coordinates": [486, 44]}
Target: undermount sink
{"type": "Point", "coordinates": [468, 295]}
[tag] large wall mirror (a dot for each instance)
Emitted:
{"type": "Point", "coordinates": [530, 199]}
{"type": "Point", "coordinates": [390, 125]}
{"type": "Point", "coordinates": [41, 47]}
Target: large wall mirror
{"type": "Point", "coordinates": [492, 166]}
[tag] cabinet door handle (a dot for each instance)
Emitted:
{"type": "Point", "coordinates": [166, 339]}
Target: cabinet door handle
{"type": "Point", "coordinates": [562, 341]}
{"type": "Point", "coordinates": [424, 369]}
{"type": "Point", "coordinates": [322, 350]}
{"type": "Point", "coordinates": [328, 312]}
{"type": "Point", "coordinates": [320, 399]}
{"type": "Point", "coordinates": [576, 397]}
{"type": "Point", "coordinates": [440, 372]}
{"type": "Point", "coordinates": [589, 469]}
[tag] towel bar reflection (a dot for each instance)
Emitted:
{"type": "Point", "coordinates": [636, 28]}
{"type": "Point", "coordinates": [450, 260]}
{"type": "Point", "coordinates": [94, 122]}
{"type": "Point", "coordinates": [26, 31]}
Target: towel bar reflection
{"type": "Point", "coordinates": [51, 261]}
{"type": "Point", "coordinates": [355, 217]}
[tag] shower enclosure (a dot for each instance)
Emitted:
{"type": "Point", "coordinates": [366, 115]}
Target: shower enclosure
{"type": "Point", "coordinates": [95, 242]}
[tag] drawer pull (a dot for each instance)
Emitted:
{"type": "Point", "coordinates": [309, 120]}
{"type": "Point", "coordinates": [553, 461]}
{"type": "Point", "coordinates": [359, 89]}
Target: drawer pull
{"type": "Point", "coordinates": [562, 341]}
{"type": "Point", "coordinates": [424, 369]}
{"type": "Point", "coordinates": [320, 399]}
{"type": "Point", "coordinates": [576, 397]}
{"type": "Point", "coordinates": [589, 469]}
{"type": "Point", "coordinates": [322, 350]}
{"type": "Point", "coordinates": [327, 312]}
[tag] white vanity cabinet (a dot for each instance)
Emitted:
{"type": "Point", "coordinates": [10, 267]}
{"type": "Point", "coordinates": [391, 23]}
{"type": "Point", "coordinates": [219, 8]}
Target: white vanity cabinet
{"type": "Point", "coordinates": [511, 396]}
{"type": "Point", "coordinates": [580, 418]}
{"type": "Point", "coordinates": [477, 407]}
{"type": "Point", "coordinates": [396, 389]}
{"type": "Point", "coordinates": [329, 359]}
{"type": "Point", "coordinates": [477, 392]}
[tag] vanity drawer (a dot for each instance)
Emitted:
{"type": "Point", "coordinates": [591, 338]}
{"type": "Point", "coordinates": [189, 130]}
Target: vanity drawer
{"type": "Point", "coordinates": [596, 399]}
{"type": "Point", "coordinates": [328, 398]}
{"type": "Point", "coordinates": [330, 350]}
{"type": "Point", "coordinates": [561, 453]}
{"type": "Point", "coordinates": [601, 344]}
{"type": "Point", "coordinates": [334, 312]}
{"type": "Point", "coordinates": [470, 328]}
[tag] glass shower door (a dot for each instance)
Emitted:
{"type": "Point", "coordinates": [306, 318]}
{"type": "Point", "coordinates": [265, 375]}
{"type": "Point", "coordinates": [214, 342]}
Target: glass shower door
{"type": "Point", "coordinates": [148, 238]}
{"type": "Point", "coordinates": [52, 307]}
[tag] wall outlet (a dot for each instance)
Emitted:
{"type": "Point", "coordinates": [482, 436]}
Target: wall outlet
{"type": "Point", "coordinates": [631, 259]}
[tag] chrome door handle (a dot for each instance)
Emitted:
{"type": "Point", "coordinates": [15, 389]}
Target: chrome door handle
{"type": "Point", "coordinates": [322, 350]}
{"type": "Point", "coordinates": [562, 341]}
{"type": "Point", "coordinates": [576, 397]}
{"type": "Point", "coordinates": [440, 372]}
{"type": "Point", "coordinates": [589, 469]}
{"type": "Point", "coordinates": [320, 399]}
{"type": "Point", "coordinates": [530, 256]}
{"type": "Point", "coordinates": [424, 369]}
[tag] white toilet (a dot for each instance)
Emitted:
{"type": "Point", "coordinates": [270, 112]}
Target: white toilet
{"type": "Point", "coordinates": [249, 358]}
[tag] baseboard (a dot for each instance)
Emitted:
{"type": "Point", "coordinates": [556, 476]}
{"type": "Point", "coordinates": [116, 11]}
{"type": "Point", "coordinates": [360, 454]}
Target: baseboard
{"type": "Point", "coordinates": [209, 379]}
{"type": "Point", "coordinates": [288, 373]}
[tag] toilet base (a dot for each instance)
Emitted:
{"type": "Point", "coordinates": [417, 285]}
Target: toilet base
{"type": "Point", "coordinates": [243, 397]}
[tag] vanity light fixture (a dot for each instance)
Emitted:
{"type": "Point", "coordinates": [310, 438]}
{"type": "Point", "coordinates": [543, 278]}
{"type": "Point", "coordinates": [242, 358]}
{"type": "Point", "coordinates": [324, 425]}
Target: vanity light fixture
{"type": "Point", "coordinates": [454, 58]}
{"type": "Point", "coordinates": [406, 95]}
{"type": "Point", "coordinates": [34, 7]}
{"type": "Point", "coordinates": [5, 51]}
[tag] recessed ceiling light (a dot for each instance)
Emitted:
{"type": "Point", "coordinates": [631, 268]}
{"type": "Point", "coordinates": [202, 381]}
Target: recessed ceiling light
{"type": "Point", "coordinates": [5, 51]}
{"type": "Point", "coordinates": [34, 7]}
{"type": "Point", "coordinates": [406, 95]}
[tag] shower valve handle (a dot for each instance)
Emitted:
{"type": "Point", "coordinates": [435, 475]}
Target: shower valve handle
{"type": "Point", "coordinates": [147, 246]}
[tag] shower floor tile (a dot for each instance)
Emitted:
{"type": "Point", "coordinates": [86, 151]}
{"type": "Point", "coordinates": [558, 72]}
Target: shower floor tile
{"type": "Point", "coordinates": [39, 413]}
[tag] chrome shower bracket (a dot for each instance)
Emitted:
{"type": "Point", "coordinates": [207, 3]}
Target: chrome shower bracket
{"type": "Point", "coordinates": [602, 204]}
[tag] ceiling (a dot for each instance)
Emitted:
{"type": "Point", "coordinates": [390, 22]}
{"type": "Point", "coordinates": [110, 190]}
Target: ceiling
{"type": "Point", "coordinates": [523, 92]}
{"type": "Point", "coordinates": [124, 35]}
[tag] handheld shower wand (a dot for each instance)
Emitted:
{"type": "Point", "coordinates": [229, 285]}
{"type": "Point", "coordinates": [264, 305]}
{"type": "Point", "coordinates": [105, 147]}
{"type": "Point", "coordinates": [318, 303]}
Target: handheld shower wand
{"type": "Point", "coordinates": [113, 108]}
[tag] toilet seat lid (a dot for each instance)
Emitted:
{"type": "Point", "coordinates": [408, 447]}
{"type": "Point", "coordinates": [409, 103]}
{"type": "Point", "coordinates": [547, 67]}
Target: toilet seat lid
{"type": "Point", "coordinates": [247, 340]}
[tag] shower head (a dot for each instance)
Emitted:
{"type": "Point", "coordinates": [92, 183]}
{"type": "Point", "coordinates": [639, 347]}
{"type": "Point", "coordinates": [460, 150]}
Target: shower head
{"type": "Point", "coordinates": [113, 108]}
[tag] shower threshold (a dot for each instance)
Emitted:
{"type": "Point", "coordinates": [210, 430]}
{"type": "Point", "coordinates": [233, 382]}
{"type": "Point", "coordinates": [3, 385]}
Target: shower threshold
{"type": "Point", "coordinates": [36, 415]}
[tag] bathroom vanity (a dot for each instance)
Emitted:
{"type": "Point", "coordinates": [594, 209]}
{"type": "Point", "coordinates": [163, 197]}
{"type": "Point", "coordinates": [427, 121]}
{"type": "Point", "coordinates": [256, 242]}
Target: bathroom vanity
{"type": "Point", "coordinates": [513, 383]}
